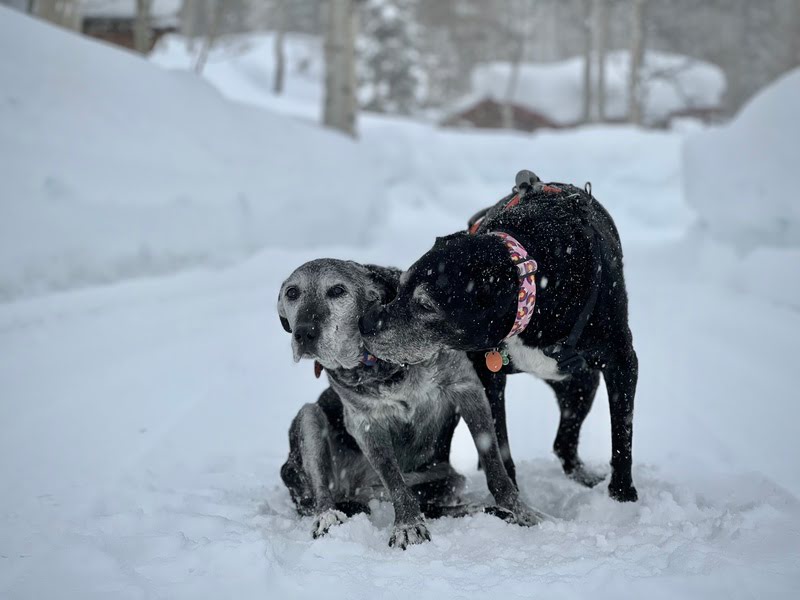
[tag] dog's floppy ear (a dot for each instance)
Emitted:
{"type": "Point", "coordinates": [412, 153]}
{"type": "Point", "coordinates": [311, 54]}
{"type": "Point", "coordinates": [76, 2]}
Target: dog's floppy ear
{"type": "Point", "coordinates": [284, 321]}
{"type": "Point", "coordinates": [385, 280]}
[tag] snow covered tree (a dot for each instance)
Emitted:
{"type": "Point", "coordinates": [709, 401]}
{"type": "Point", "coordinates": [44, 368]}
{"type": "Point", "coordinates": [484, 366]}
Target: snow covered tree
{"type": "Point", "coordinates": [390, 76]}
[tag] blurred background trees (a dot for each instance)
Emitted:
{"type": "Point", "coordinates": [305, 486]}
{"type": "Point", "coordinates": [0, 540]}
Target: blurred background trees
{"type": "Point", "coordinates": [414, 56]}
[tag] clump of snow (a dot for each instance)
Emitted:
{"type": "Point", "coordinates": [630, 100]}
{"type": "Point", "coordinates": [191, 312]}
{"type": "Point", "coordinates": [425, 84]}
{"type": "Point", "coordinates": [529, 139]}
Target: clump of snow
{"type": "Point", "coordinates": [672, 83]}
{"type": "Point", "coordinates": [114, 167]}
{"type": "Point", "coordinates": [742, 177]}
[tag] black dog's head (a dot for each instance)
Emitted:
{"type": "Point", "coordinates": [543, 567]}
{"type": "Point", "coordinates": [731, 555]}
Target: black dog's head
{"type": "Point", "coordinates": [321, 302]}
{"type": "Point", "coordinates": [461, 294]}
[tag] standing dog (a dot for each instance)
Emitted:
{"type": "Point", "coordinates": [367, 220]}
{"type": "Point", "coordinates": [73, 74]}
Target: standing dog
{"type": "Point", "coordinates": [391, 423]}
{"type": "Point", "coordinates": [536, 286]}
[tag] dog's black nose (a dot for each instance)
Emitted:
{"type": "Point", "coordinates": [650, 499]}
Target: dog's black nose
{"type": "Point", "coordinates": [305, 333]}
{"type": "Point", "coordinates": [372, 320]}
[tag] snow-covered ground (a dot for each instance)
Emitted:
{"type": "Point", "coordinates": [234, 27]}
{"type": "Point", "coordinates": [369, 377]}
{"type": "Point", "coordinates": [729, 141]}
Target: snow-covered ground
{"type": "Point", "coordinates": [143, 422]}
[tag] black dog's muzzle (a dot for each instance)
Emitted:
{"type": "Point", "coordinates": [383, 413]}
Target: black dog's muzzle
{"type": "Point", "coordinates": [371, 322]}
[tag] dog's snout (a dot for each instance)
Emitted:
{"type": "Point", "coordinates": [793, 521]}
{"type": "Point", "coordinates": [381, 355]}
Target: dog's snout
{"type": "Point", "coordinates": [372, 320]}
{"type": "Point", "coordinates": [305, 333]}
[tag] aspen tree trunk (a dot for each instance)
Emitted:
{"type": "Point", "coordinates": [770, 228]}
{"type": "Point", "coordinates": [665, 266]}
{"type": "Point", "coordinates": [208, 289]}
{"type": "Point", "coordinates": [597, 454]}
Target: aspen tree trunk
{"type": "Point", "coordinates": [141, 27]}
{"type": "Point", "coordinates": [340, 66]}
{"type": "Point", "coordinates": [211, 36]}
{"type": "Point", "coordinates": [601, 24]}
{"type": "Point", "coordinates": [587, 61]}
{"type": "Point", "coordinates": [280, 55]}
{"type": "Point", "coordinates": [636, 60]}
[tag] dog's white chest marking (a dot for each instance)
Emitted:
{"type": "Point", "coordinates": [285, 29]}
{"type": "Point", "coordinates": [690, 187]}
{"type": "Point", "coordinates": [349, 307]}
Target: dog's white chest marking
{"type": "Point", "coordinates": [533, 360]}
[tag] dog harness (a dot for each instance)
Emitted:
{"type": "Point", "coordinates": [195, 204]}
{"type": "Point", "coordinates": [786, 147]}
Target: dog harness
{"type": "Point", "coordinates": [565, 351]}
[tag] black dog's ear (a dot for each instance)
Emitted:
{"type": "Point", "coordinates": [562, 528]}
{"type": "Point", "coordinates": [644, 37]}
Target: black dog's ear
{"type": "Point", "coordinates": [285, 323]}
{"type": "Point", "coordinates": [444, 241]}
{"type": "Point", "coordinates": [386, 280]}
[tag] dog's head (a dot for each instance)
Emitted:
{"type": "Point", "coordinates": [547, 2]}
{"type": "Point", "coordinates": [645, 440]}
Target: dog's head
{"type": "Point", "coordinates": [321, 302]}
{"type": "Point", "coordinates": [461, 295]}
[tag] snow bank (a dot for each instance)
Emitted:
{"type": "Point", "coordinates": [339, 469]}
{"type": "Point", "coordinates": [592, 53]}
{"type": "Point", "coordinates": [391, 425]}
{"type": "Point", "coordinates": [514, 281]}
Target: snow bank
{"type": "Point", "coordinates": [672, 83]}
{"type": "Point", "coordinates": [742, 177]}
{"type": "Point", "coordinates": [114, 167]}
{"type": "Point", "coordinates": [243, 68]}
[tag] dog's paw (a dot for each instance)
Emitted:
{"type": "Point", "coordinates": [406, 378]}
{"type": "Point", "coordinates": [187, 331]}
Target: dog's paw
{"type": "Point", "coordinates": [408, 534]}
{"type": "Point", "coordinates": [622, 492]}
{"type": "Point", "coordinates": [326, 520]}
{"type": "Point", "coordinates": [517, 513]}
{"type": "Point", "coordinates": [585, 477]}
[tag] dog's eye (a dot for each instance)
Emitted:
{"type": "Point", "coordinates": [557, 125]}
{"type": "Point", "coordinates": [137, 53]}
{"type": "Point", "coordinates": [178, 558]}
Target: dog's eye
{"type": "Point", "coordinates": [426, 306]}
{"type": "Point", "coordinates": [292, 293]}
{"type": "Point", "coordinates": [336, 291]}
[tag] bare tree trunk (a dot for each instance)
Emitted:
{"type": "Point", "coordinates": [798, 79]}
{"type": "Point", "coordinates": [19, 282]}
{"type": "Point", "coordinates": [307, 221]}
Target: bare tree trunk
{"type": "Point", "coordinates": [601, 24]}
{"type": "Point", "coordinates": [188, 21]}
{"type": "Point", "coordinates": [636, 60]}
{"type": "Point", "coordinates": [340, 66]}
{"type": "Point", "coordinates": [587, 61]}
{"type": "Point", "coordinates": [65, 13]}
{"type": "Point", "coordinates": [280, 55]}
{"type": "Point", "coordinates": [141, 26]}
{"type": "Point", "coordinates": [507, 112]}
{"type": "Point", "coordinates": [211, 36]}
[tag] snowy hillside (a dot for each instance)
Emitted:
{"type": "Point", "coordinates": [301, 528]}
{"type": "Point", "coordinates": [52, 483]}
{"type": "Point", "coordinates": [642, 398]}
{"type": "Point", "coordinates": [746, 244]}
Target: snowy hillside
{"type": "Point", "coordinates": [143, 422]}
{"type": "Point", "coordinates": [114, 167]}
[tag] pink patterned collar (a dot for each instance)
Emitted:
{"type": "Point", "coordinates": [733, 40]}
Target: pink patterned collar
{"type": "Point", "coordinates": [526, 270]}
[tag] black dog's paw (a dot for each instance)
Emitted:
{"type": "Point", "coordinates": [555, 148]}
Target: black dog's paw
{"type": "Point", "coordinates": [585, 477]}
{"type": "Point", "coordinates": [407, 534]}
{"type": "Point", "coordinates": [326, 520]}
{"type": "Point", "coordinates": [622, 492]}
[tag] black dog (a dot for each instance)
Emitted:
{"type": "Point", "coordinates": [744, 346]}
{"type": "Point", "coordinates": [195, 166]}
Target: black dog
{"type": "Point", "coordinates": [383, 425]}
{"type": "Point", "coordinates": [464, 294]}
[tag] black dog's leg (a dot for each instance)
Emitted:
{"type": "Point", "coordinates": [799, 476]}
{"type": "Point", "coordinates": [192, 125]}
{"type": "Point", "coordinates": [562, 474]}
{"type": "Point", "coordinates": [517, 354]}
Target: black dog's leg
{"type": "Point", "coordinates": [475, 411]}
{"type": "Point", "coordinates": [494, 384]}
{"type": "Point", "coordinates": [575, 397]}
{"type": "Point", "coordinates": [621, 373]}
{"type": "Point", "coordinates": [309, 439]}
{"type": "Point", "coordinates": [409, 524]}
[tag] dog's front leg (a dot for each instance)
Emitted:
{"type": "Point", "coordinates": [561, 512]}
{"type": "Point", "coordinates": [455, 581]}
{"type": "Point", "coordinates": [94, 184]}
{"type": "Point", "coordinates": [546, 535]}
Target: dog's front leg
{"type": "Point", "coordinates": [310, 434]}
{"type": "Point", "coordinates": [409, 524]}
{"type": "Point", "coordinates": [476, 412]}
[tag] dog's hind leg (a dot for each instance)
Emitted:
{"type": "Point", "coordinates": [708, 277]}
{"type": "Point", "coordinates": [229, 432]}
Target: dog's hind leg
{"type": "Point", "coordinates": [621, 373]}
{"type": "Point", "coordinates": [575, 396]}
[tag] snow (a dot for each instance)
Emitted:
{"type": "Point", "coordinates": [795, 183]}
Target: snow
{"type": "Point", "coordinates": [114, 168]}
{"type": "Point", "coordinates": [741, 177]}
{"type": "Point", "coordinates": [672, 83]}
{"type": "Point", "coordinates": [143, 422]}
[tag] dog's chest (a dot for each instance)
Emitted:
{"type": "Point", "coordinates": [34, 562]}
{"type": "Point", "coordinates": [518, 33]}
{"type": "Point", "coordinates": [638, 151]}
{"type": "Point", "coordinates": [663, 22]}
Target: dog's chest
{"type": "Point", "coordinates": [532, 360]}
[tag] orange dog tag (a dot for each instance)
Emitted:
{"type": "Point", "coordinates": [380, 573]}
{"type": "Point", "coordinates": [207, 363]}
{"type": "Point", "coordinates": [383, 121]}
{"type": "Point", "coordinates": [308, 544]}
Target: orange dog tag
{"type": "Point", "coordinates": [317, 369]}
{"type": "Point", "coordinates": [494, 361]}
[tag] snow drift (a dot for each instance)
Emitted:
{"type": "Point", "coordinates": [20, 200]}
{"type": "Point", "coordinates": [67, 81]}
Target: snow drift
{"type": "Point", "coordinates": [742, 177]}
{"type": "Point", "coordinates": [114, 167]}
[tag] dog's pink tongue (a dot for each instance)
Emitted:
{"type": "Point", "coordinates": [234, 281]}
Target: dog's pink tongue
{"type": "Point", "coordinates": [317, 369]}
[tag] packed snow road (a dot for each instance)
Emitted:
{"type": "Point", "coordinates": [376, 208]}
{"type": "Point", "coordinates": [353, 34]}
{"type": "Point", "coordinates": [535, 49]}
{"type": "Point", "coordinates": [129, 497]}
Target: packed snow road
{"type": "Point", "coordinates": [143, 426]}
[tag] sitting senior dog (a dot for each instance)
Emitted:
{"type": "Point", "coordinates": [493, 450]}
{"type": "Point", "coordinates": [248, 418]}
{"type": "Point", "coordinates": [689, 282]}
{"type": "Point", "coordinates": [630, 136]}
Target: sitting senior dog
{"type": "Point", "coordinates": [379, 422]}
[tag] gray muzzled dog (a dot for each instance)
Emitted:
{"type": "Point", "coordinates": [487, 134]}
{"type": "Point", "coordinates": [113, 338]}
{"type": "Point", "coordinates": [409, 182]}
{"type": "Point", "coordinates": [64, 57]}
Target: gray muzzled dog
{"type": "Point", "coordinates": [391, 424]}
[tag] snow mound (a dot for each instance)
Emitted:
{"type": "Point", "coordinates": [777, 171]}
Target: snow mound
{"type": "Point", "coordinates": [741, 177]}
{"type": "Point", "coordinates": [672, 84]}
{"type": "Point", "coordinates": [242, 67]}
{"type": "Point", "coordinates": [113, 167]}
